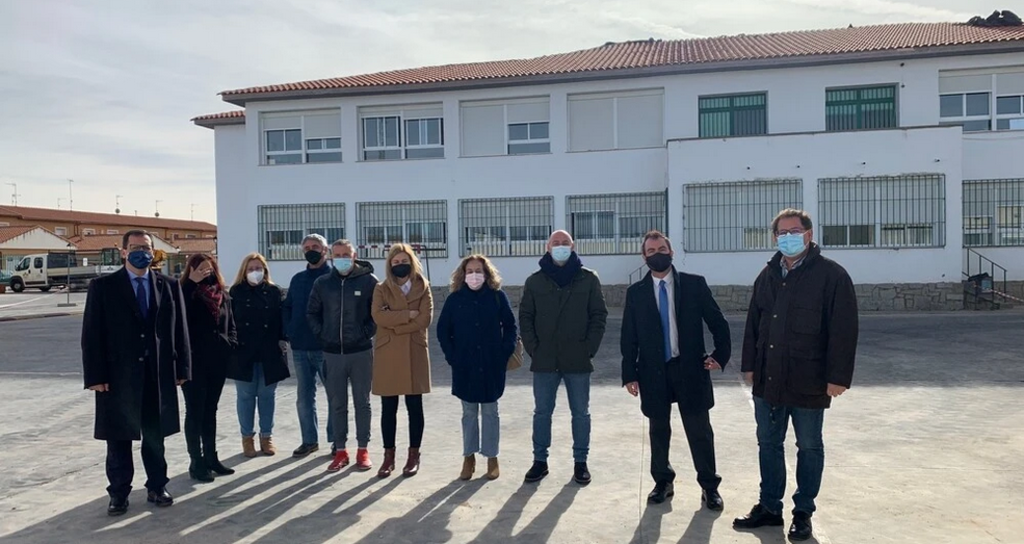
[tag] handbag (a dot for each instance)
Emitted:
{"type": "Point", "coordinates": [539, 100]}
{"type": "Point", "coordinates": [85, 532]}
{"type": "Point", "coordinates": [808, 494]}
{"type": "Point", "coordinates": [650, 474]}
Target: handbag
{"type": "Point", "coordinates": [516, 359]}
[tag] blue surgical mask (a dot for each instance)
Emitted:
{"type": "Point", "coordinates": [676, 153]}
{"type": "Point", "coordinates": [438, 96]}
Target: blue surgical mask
{"type": "Point", "coordinates": [561, 253]}
{"type": "Point", "coordinates": [343, 265]}
{"type": "Point", "coordinates": [140, 259]}
{"type": "Point", "coordinates": [792, 245]}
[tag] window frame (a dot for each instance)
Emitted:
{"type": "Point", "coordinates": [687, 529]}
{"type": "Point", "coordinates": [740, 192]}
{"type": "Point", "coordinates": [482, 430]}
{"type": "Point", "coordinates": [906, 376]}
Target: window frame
{"type": "Point", "coordinates": [393, 221]}
{"type": "Point", "coordinates": [860, 102]}
{"type": "Point", "coordinates": [615, 97]}
{"type": "Point", "coordinates": [729, 233]}
{"type": "Point", "coordinates": [304, 151]}
{"type": "Point", "coordinates": [962, 119]}
{"type": "Point", "coordinates": [871, 212]}
{"type": "Point", "coordinates": [1009, 116]}
{"type": "Point", "coordinates": [607, 216]}
{"type": "Point", "coordinates": [501, 239]}
{"type": "Point", "coordinates": [731, 109]}
{"type": "Point", "coordinates": [530, 140]}
{"type": "Point", "coordinates": [281, 227]}
{"type": "Point", "coordinates": [403, 115]}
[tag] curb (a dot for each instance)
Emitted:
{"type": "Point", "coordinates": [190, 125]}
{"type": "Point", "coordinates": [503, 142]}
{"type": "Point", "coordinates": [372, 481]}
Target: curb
{"type": "Point", "coordinates": [36, 316]}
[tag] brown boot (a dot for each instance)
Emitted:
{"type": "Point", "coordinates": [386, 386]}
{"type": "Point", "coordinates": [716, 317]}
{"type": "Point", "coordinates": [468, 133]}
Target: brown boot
{"type": "Point", "coordinates": [412, 465]}
{"type": "Point", "coordinates": [468, 466]}
{"type": "Point", "coordinates": [492, 469]}
{"type": "Point", "coordinates": [388, 466]}
{"type": "Point", "coordinates": [267, 445]}
{"type": "Point", "coordinates": [248, 447]}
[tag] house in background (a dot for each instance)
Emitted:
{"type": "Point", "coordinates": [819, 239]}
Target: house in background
{"type": "Point", "coordinates": [17, 242]}
{"type": "Point", "coordinates": [70, 224]}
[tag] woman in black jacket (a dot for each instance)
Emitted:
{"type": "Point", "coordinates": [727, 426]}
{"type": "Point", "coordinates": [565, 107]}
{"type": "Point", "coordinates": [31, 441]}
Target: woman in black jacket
{"type": "Point", "coordinates": [212, 335]}
{"type": "Point", "coordinates": [261, 360]}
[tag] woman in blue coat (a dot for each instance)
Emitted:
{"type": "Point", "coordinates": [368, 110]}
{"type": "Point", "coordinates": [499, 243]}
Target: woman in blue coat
{"type": "Point", "coordinates": [477, 332]}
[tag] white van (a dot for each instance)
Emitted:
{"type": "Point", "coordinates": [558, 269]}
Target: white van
{"type": "Point", "coordinates": [47, 270]}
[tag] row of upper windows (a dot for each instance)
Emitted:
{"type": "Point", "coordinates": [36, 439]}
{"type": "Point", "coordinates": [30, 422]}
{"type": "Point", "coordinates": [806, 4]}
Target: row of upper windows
{"type": "Point", "coordinates": [629, 120]}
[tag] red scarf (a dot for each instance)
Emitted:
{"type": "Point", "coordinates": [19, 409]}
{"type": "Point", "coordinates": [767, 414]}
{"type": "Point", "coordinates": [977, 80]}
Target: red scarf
{"type": "Point", "coordinates": [212, 296]}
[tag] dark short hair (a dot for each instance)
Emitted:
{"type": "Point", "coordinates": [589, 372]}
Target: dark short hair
{"type": "Point", "coordinates": [129, 234]}
{"type": "Point", "coordinates": [805, 219]}
{"type": "Point", "coordinates": [654, 235]}
{"type": "Point", "coordinates": [343, 242]}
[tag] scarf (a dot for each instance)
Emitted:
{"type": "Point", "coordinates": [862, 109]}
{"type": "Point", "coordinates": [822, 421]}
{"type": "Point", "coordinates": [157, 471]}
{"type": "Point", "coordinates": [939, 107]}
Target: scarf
{"type": "Point", "coordinates": [212, 296]}
{"type": "Point", "coordinates": [561, 275]}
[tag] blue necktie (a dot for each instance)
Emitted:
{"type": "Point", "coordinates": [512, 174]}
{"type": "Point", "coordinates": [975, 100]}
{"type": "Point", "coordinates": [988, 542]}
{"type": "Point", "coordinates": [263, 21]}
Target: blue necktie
{"type": "Point", "coordinates": [140, 296]}
{"type": "Point", "coordinates": [665, 326]}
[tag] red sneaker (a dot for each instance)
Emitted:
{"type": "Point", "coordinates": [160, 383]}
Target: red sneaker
{"type": "Point", "coordinates": [363, 459]}
{"type": "Point", "coordinates": [340, 461]}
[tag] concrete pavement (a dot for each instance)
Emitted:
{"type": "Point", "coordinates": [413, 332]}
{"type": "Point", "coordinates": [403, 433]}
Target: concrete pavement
{"type": "Point", "coordinates": [925, 448]}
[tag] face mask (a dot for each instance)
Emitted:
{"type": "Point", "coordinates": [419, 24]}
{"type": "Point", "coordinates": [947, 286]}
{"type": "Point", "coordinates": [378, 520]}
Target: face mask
{"type": "Point", "coordinates": [561, 253]}
{"type": "Point", "coordinates": [210, 280]}
{"type": "Point", "coordinates": [314, 257]}
{"type": "Point", "coordinates": [401, 270]}
{"type": "Point", "coordinates": [343, 265]}
{"type": "Point", "coordinates": [792, 245]}
{"type": "Point", "coordinates": [255, 277]}
{"type": "Point", "coordinates": [140, 259]}
{"type": "Point", "coordinates": [474, 280]}
{"type": "Point", "coordinates": [659, 262]}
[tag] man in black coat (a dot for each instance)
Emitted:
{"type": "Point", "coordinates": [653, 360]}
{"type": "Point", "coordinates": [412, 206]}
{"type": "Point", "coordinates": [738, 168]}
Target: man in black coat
{"type": "Point", "coordinates": [664, 361]}
{"type": "Point", "coordinates": [135, 350]}
{"type": "Point", "coordinates": [798, 353]}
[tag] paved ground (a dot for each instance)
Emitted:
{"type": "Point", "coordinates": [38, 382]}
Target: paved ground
{"type": "Point", "coordinates": [33, 303]}
{"type": "Point", "coordinates": [925, 448]}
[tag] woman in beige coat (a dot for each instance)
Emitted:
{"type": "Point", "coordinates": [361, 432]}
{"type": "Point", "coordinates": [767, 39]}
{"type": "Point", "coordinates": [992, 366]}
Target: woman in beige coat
{"type": "Point", "coordinates": [402, 310]}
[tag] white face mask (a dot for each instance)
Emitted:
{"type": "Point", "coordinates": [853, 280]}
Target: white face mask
{"type": "Point", "coordinates": [474, 280]}
{"type": "Point", "coordinates": [255, 277]}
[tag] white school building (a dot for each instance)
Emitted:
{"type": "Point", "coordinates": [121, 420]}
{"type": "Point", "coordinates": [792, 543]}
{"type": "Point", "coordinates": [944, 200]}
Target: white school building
{"type": "Point", "coordinates": [905, 142]}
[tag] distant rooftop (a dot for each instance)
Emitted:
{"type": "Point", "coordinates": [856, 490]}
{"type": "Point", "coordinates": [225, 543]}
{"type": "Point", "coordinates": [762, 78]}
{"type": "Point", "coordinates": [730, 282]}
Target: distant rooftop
{"type": "Point", "coordinates": [74, 216]}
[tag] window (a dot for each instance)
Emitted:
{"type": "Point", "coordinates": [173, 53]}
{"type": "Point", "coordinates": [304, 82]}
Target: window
{"type": "Point", "coordinates": [970, 110]}
{"type": "Point", "coordinates": [415, 132]}
{"type": "Point", "coordinates": [627, 120]}
{"type": "Point", "coordinates": [981, 100]}
{"type": "Point", "coordinates": [993, 212]}
{"type": "Point", "coordinates": [528, 138]}
{"type": "Point", "coordinates": [88, 232]}
{"type": "Point", "coordinates": [614, 224]}
{"type": "Point", "coordinates": [423, 223]}
{"type": "Point", "coordinates": [301, 137]}
{"type": "Point", "coordinates": [190, 236]}
{"type": "Point", "coordinates": [37, 263]}
{"type": "Point", "coordinates": [883, 211]}
{"type": "Point", "coordinates": [112, 231]}
{"type": "Point", "coordinates": [282, 227]}
{"type": "Point", "coordinates": [507, 127]}
{"type": "Point", "coordinates": [60, 231]}
{"type": "Point", "coordinates": [860, 108]}
{"type": "Point", "coordinates": [736, 216]}
{"type": "Point", "coordinates": [1010, 112]}
{"type": "Point", "coordinates": [505, 226]}
{"type": "Point", "coordinates": [737, 115]}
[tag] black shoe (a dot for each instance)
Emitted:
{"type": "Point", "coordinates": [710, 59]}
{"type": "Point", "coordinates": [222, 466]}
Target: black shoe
{"type": "Point", "coordinates": [712, 500]}
{"type": "Point", "coordinates": [305, 450]}
{"type": "Point", "coordinates": [758, 517]}
{"type": "Point", "coordinates": [197, 470]}
{"type": "Point", "coordinates": [214, 464]}
{"type": "Point", "coordinates": [580, 474]}
{"type": "Point", "coordinates": [537, 472]}
{"type": "Point", "coordinates": [801, 527]}
{"type": "Point", "coordinates": [118, 506]}
{"type": "Point", "coordinates": [662, 491]}
{"type": "Point", "coordinates": [160, 498]}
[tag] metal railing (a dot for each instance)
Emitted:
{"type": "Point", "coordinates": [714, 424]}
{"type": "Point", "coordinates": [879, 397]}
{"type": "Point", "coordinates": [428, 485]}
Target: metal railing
{"type": "Point", "coordinates": [985, 279]}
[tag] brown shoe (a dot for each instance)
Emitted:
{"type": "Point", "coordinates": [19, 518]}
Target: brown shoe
{"type": "Point", "coordinates": [412, 465]}
{"type": "Point", "coordinates": [248, 447]}
{"type": "Point", "coordinates": [468, 467]}
{"type": "Point", "coordinates": [492, 469]}
{"type": "Point", "coordinates": [388, 466]}
{"type": "Point", "coordinates": [267, 445]}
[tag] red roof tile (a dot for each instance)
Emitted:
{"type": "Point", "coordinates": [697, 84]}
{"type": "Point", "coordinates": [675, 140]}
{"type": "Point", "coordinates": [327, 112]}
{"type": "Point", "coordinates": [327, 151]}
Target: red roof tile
{"type": "Point", "coordinates": [9, 233]}
{"type": "Point", "coordinates": [71, 216]}
{"type": "Point", "coordinates": [658, 53]}
{"type": "Point", "coordinates": [96, 242]}
{"type": "Point", "coordinates": [190, 246]}
{"type": "Point", "coordinates": [236, 117]}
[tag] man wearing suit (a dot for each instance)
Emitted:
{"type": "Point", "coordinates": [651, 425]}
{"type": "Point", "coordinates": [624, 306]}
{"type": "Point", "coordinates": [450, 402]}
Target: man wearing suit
{"type": "Point", "coordinates": [664, 361]}
{"type": "Point", "coordinates": [135, 350]}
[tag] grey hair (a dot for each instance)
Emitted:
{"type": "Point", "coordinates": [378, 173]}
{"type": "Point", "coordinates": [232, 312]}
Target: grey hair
{"type": "Point", "coordinates": [316, 238]}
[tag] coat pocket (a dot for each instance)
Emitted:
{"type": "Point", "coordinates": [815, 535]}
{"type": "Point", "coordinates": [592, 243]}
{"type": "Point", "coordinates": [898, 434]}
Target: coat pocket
{"type": "Point", "coordinates": [807, 374]}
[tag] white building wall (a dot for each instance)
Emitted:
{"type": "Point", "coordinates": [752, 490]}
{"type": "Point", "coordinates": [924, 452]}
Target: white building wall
{"type": "Point", "coordinates": [236, 214]}
{"type": "Point", "coordinates": [38, 239]}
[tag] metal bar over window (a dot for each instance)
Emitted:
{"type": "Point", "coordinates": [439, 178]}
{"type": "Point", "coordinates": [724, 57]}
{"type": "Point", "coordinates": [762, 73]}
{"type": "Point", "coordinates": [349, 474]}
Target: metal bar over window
{"type": "Point", "coordinates": [282, 227]}
{"type": "Point", "coordinates": [614, 224]}
{"type": "Point", "coordinates": [993, 212]}
{"type": "Point", "coordinates": [505, 226]}
{"type": "Point", "coordinates": [882, 212]}
{"type": "Point", "coordinates": [736, 216]}
{"type": "Point", "coordinates": [423, 223]}
{"type": "Point", "coordinates": [738, 115]}
{"type": "Point", "coordinates": [860, 108]}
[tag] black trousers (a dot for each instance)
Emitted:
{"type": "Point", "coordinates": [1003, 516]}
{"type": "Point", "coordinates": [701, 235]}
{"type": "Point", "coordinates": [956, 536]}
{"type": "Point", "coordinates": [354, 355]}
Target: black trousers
{"type": "Point", "coordinates": [120, 466]}
{"type": "Point", "coordinates": [389, 420]}
{"type": "Point", "coordinates": [202, 394]}
{"type": "Point", "coordinates": [699, 435]}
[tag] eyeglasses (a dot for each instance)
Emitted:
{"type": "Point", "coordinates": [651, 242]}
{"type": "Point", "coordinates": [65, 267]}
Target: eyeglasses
{"type": "Point", "coordinates": [797, 232]}
{"type": "Point", "coordinates": [140, 248]}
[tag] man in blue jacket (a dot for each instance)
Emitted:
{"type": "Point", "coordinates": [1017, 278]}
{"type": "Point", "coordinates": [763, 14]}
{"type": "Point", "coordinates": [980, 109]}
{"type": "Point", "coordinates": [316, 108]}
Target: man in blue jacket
{"type": "Point", "coordinates": [307, 352]}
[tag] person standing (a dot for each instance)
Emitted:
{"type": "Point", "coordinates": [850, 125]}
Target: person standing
{"type": "Point", "coordinates": [402, 309]}
{"type": "Point", "coordinates": [664, 361]}
{"type": "Point", "coordinates": [213, 338]}
{"type": "Point", "coordinates": [477, 333]}
{"type": "Point", "coordinates": [307, 352]}
{"type": "Point", "coordinates": [262, 360]}
{"type": "Point", "coordinates": [135, 350]}
{"type": "Point", "coordinates": [340, 317]}
{"type": "Point", "coordinates": [799, 349]}
{"type": "Point", "coordinates": [562, 317]}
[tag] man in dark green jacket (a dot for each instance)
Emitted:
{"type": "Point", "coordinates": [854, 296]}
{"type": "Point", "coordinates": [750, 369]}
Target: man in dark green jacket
{"type": "Point", "coordinates": [562, 320]}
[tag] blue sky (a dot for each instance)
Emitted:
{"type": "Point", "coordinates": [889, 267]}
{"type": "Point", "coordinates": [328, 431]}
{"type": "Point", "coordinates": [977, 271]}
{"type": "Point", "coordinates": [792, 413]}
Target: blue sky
{"type": "Point", "coordinates": [102, 92]}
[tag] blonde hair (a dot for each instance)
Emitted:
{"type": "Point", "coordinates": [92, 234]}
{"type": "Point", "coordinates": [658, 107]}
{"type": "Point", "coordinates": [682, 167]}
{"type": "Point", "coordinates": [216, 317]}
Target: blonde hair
{"type": "Point", "coordinates": [240, 278]}
{"type": "Point", "coordinates": [491, 276]}
{"type": "Point", "coordinates": [414, 261]}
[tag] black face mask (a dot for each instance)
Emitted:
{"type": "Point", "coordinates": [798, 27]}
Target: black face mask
{"type": "Point", "coordinates": [314, 257]}
{"type": "Point", "coordinates": [659, 262]}
{"type": "Point", "coordinates": [210, 280]}
{"type": "Point", "coordinates": [401, 270]}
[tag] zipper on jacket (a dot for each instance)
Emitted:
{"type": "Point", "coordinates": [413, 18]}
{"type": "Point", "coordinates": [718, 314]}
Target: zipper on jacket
{"type": "Point", "coordinates": [341, 330]}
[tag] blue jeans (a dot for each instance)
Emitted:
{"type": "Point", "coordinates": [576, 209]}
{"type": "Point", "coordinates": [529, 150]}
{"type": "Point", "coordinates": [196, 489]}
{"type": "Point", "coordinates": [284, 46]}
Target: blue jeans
{"type": "Point", "coordinates": [772, 422]}
{"type": "Point", "coordinates": [471, 428]}
{"type": "Point", "coordinates": [309, 365]}
{"type": "Point", "coordinates": [545, 391]}
{"type": "Point", "coordinates": [251, 394]}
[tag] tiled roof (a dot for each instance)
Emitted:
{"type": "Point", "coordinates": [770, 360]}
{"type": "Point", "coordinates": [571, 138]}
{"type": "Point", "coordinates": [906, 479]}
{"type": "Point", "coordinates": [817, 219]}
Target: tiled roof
{"type": "Point", "coordinates": [9, 233]}
{"type": "Point", "coordinates": [909, 37]}
{"type": "Point", "coordinates": [191, 246]}
{"type": "Point", "coordinates": [103, 241]}
{"type": "Point", "coordinates": [70, 216]}
{"type": "Point", "coordinates": [236, 117]}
